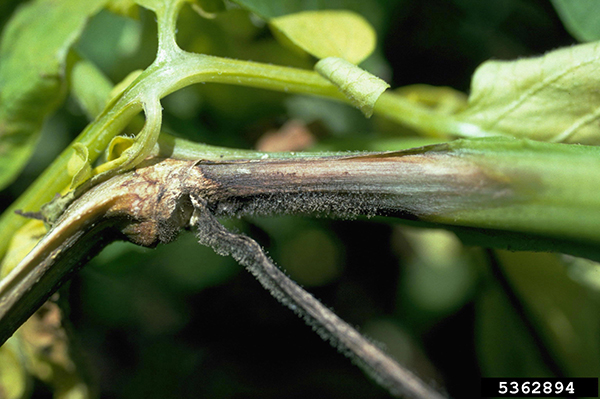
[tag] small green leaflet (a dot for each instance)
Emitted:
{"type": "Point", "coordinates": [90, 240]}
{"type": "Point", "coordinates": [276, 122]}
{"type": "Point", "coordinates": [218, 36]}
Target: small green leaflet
{"type": "Point", "coordinates": [361, 87]}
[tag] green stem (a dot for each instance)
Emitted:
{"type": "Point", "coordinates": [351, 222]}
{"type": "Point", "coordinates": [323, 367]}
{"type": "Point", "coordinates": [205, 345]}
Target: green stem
{"type": "Point", "coordinates": [420, 118]}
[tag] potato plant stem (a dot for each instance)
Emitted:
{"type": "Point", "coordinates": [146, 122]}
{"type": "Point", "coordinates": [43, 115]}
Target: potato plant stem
{"type": "Point", "coordinates": [182, 69]}
{"type": "Point", "coordinates": [507, 193]}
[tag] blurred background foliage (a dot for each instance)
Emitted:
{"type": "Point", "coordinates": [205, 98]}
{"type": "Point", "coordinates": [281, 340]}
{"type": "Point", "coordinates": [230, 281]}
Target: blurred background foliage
{"type": "Point", "coordinates": [180, 321]}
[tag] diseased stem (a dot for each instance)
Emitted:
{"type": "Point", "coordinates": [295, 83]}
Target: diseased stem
{"type": "Point", "coordinates": [151, 205]}
{"type": "Point", "coordinates": [487, 189]}
{"type": "Point", "coordinates": [142, 206]}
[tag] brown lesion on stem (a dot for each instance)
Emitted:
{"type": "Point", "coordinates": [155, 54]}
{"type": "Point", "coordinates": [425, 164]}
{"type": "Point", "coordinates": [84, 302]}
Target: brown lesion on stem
{"type": "Point", "coordinates": [153, 203]}
{"type": "Point", "coordinates": [407, 184]}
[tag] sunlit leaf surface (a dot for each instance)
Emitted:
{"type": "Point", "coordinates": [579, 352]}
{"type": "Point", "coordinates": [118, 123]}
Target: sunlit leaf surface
{"type": "Point", "coordinates": [553, 97]}
{"type": "Point", "coordinates": [33, 55]}
{"type": "Point", "coordinates": [342, 34]}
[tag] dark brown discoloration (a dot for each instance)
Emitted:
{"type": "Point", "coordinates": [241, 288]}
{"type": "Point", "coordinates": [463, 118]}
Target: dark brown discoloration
{"type": "Point", "coordinates": [399, 184]}
{"type": "Point", "coordinates": [153, 201]}
{"type": "Point", "coordinates": [152, 204]}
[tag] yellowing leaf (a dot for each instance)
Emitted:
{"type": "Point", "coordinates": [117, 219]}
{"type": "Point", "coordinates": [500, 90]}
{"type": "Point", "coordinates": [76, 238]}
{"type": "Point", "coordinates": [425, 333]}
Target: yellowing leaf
{"type": "Point", "coordinates": [79, 166]}
{"type": "Point", "coordinates": [13, 374]}
{"type": "Point", "coordinates": [554, 97]}
{"type": "Point", "coordinates": [47, 344]}
{"type": "Point", "coordinates": [20, 244]}
{"type": "Point", "coordinates": [329, 33]}
{"type": "Point", "coordinates": [117, 147]}
{"type": "Point", "coordinates": [361, 87]}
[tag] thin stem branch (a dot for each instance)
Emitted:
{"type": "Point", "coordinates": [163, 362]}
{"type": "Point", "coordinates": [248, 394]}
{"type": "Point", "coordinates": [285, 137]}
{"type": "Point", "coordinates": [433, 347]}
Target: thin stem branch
{"type": "Point", "coordinates": [372, 359]}
{"type": "Point", "coordinates": [408, 113]}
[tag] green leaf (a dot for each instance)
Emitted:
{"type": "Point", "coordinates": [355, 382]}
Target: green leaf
{"type": "Point", "coordinates": [362, 88]}
{"type": "Point", "coordinates": [584, 271]}
{"type": "Point", "coordinates": [33, 54]}
{"type": "Point", "coordinates": [553, 97]}
{"type": "Point", "coordinates": [329, 33]}
{"type": "Point", "coordinates": [504, 346]}
{"type": "Point", "coordinates": [580, 17]}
